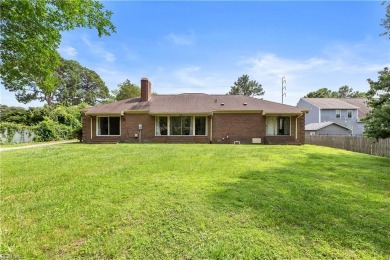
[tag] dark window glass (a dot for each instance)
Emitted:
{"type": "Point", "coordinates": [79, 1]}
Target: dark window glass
{"type": "Point", "coordinates": [103, 125]}
{"type": "Point", "coordinates": [349, 114]}
{"type": "Point", "coordinates": [162, 125]}
{"type": "Point", "coordinates": [108, 125]}
{"type": "Point", "coordinates": [200, 125]}
{"type": "Point", "coordinates": [186, 125]}
{"type": "Point", "coordinates": [283, 126]}
{"type": "Point", "coordinates": [175, 125]}
{"type": "Point", "coordinates": [114, 126]}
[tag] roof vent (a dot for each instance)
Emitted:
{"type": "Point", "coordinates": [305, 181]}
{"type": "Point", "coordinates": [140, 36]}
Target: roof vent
{"type": "Point", "coordinates": [222, 104]}
{"type": "Point", "coordinates": [245, 104]}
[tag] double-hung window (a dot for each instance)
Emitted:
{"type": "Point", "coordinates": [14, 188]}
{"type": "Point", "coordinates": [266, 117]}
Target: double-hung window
{"type": "Point", "coordinates": [349, 113]}
{"type": "Point", "coordinates": [181, 125]}
{"type": "Point", "coordinates": [338, 113]}
{"type": "Point", "coordinates": [108, 125]}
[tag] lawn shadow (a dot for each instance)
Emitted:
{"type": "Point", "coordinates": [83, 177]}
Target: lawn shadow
{"type": "Point", "coordinates": [346, 209]}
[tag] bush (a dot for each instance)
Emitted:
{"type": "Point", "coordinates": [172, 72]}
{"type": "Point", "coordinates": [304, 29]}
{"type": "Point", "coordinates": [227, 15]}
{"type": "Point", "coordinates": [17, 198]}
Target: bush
{"type": "Point", "coordinates": [69, 116]}
{"type": "Point", "coordinates": [78, 133]}
{"type": "Point", "coordinates": [49, 130]}
{"type": "Point", "coordinates": [48, 123]}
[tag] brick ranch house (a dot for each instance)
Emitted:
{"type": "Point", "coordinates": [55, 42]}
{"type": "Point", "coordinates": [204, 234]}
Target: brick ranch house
{"type": "Point", "coordinates": [193, 118]}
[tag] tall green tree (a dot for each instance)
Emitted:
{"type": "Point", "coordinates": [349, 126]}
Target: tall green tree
{"type": "Point", "coordinates": [78, 84]}
{"type": "Point", "coordinates": [386, 20]}
{"type": "Point", "coordinates": [126, 90]}
{"type": "Point", "coordinates": [378, 119]}
{"type": "Point", "coordinates": [320, 93]}
{"type": "Point", "coordinates": [30, 33]}
{"type": "Point", "coordinates": [246, 87]}
{"type": "Point", "coordinates": [343, 92]}
{"type": "Point", "coordinates": [13, 114]}
{"type": "Point", "coordinates": [347, 92]}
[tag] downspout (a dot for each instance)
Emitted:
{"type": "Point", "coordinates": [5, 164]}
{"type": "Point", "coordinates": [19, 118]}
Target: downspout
{"type": "Point", "coordinates": [319, 115]}
{"type": "Point", "coordinates": [91, 126]}
{"type": "Point", "coordinates": [211, 129]}
{"type": "Point", "coordinates": [296, 126]}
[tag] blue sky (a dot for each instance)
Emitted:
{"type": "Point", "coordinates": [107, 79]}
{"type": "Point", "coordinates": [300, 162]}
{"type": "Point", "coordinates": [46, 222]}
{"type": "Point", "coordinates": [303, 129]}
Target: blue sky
{"type": "Point", "coordinates": [203, 47]}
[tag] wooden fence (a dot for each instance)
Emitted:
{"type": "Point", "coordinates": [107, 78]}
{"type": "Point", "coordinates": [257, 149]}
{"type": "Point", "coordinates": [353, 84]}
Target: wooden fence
{"type": "Point", "coordinates": [352, 143]}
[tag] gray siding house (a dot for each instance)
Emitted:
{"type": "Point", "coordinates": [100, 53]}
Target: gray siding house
{"type": "Point", "coordinates": [347, 112]}
{"type": "Point", "coordinates": [326, 128]}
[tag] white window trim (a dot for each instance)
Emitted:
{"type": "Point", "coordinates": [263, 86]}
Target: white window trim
{"type": "Point", "coordinates": [349, 110]}
{"type": "Point", "coordinates": [339, 113]}
{"type": "Point", "coordinates": [97, 125]}
{"type": "Point", "coordinates": [169, 125]}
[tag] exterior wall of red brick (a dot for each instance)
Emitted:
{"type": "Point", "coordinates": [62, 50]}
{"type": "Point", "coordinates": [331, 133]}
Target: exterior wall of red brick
{"type": "Point", "coordinates": [237, 126]}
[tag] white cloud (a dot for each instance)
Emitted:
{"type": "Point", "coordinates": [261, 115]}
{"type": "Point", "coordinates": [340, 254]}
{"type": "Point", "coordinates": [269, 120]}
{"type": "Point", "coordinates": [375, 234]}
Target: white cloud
{"type": "Point", "coordinates": [188, 79]}
{"type": "Point", "coordinates": [68, 51]}
{"type": "Point", "coordinates": [187, 75]}
{"type": "Point", "coordinates": [337, 65]}
{"type": "Point", "coordinates": [181, 39]}
{"type": "Point", "coordinates": [97, 49]}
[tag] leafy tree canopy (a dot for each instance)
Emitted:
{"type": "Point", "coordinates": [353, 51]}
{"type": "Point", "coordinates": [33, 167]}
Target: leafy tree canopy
{"type": "Point", "coordinates": [378, 119]}
{"type": "Point", "coordinates": [246, 87]}
{"type": "Point", "coordinates": [386, 21]}
{"type": "Point", "coordinates": [12, 114]}
{"type": "Point", "coordinates": [343, 92]}
{"type": "Point", "coordinates": [30, 36]}
{"type": "Point", "coordinates": [78, 84]}
{"type": "Point", "coordinates": [126, 90]}
{"type": "Point", "coordinates": [75, 84]}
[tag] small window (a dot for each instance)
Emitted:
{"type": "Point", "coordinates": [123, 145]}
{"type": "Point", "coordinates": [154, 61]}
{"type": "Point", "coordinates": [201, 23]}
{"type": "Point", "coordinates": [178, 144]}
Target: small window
{"type": "Point", "coordinates": [338, 113]}
{"type": "Point", "coordinates": [349, 113]}
{"type": "Point", "coordinates": [108, 125]}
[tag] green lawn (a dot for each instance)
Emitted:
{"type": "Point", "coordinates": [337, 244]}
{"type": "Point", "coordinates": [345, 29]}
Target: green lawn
{"type": "Point", "coordinates": [180, 201]}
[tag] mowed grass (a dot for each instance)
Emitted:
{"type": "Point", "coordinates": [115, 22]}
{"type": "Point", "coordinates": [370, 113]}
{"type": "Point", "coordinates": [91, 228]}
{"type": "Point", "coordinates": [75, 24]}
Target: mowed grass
{"type": "Point", "coordinates": [179, 201]}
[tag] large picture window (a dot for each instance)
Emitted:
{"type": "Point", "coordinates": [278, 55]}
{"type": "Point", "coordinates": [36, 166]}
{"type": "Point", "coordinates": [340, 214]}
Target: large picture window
{"type": "Point", "coordinates": [181, 125]}
{"type": "Point", "coordinates": [108, 125]}
{"type": "Point", "coordinates": [278, 125]}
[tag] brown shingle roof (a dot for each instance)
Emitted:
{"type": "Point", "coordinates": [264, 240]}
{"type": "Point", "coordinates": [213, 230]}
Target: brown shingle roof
{"type": "Point", "coordinates": [132, 104]}
{"type": "Point", "coordinates": [194, 104]}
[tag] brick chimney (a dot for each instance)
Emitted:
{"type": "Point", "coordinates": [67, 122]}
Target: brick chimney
{"type": "Point", "coordinates": [146, 89]}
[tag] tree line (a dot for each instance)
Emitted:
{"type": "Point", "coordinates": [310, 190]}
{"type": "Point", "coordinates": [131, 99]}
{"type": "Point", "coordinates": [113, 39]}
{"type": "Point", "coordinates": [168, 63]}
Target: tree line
{"type": "Point", "coordinates": [31, 66]}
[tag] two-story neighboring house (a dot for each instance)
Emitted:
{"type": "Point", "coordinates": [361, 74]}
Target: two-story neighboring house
{"type": "Point", "coordinates": [347, 112]}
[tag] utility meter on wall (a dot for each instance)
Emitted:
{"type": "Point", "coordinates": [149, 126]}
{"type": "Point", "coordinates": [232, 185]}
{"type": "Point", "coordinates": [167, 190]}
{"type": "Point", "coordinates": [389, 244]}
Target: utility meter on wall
{"type": "Point", "coordinates": [140, 126]}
